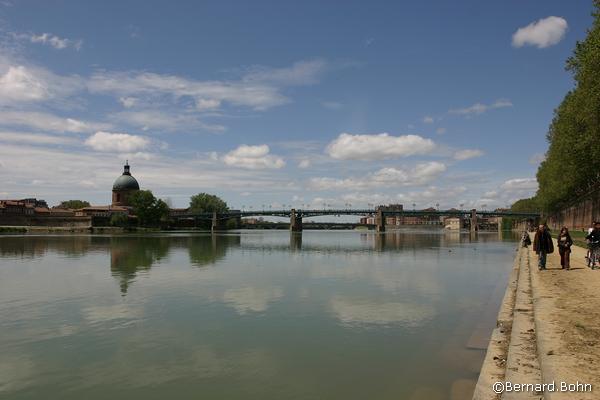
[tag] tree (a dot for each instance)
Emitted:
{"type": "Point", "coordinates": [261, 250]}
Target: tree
{"type": "Point", "coordinates": [572, 162]}
{"type": "Point", "coordinates": [525, 205]}
{"type": "Point", "coordinates": [119, 219]}
{"type": "Point", "coordinates": [204, 202]}
{"type": "Point", "coordinates": [74, 204]}
{"type": "Point", "coordinates": [149, 210]}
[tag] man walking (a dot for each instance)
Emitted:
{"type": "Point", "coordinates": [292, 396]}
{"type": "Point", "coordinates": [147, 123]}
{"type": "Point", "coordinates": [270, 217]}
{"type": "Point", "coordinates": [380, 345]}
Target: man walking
{"type": "Point", "coordinates": [542, 245]}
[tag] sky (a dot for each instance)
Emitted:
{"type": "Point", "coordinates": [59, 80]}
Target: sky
{"type": "Point", "coordinates": [280, 103]}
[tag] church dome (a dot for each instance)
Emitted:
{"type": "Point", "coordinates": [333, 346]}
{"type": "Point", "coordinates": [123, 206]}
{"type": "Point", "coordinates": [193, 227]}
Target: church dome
{"type": "Point", "coordinates": [126, 181]}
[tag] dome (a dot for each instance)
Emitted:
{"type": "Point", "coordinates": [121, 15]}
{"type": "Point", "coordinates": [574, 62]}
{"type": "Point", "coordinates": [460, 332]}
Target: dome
{"type": "Point", "coordinates": [126, 181]}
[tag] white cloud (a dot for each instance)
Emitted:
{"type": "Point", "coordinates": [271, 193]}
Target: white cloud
{"type": "Point", "coordinates": [542, 33]}
{"type": "Point", "coordinates": [352, 312]}
{"type": "Point", "coordinates": [377, 146]}
{"type": "Point", "coordinates": [428, 120]}
{"type": "Point", "coordinates": [537, 158]}
{"type": "Point", "coordinates": [253, 157]}
{"type": "Point", "coordinates": [36, 138]}
{"type": "Point", "coordinates": [48, 122]}
{"type": "Point", "coordinates": [466, 154]}
{"type": "Point", "coordinates": [440, 131]}
{"type": "Point", "coordinates": [520, 184]}
{"type": "Point", "coordinates": [19, 84]}
{"type": "Point", "coordinates": [51, 40]}
{"type": "Point", "coordinates": [27, 84]}
{"type": "Point", "coordinates": [299, 73]}
{"type": "Point", "coordinates": [332, 105]}
{"type": "Point", "coordinates": [304, 163]}
{"type": "Point", "coordinates": [128, 102]}
{"type": "Point", "coordinates": [118, 142]}
{"type": "Point", "coordinates": [421, 174]}
{"type": "Point", "coordinates": [251, 299]}
{"type": "Point", "coordinates": [152, 119]}
{"type": "Point", "coordinates": [479, 108]}
{"type": "Point", "coordinates": [207, 104]}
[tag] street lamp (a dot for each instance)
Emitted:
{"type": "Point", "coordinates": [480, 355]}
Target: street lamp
{"type": "Point", "coordinates": [437, 205]}
{"type": "Point", "coordinates": [414, 206]}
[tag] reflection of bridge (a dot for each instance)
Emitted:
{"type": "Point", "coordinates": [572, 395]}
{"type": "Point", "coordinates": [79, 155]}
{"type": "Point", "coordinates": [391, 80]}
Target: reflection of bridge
{"type": "Point", "coordinates": [296, 215]}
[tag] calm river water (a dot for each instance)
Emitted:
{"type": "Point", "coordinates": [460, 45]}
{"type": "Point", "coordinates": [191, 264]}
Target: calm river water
{"type": "Point", "coordinates": [248, 315]}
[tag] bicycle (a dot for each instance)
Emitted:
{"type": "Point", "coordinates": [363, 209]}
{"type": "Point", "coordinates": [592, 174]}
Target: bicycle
{"type": "Point", "coordinates": [594, 258]}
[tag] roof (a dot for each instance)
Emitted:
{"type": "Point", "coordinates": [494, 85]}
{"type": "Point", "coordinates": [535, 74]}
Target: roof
{"type": "Point", "coordinates": [126, 181]}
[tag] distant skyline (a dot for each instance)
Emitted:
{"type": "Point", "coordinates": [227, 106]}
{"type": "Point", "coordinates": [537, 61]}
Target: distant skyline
{"type": "Point", "coordinates": [277, 102]}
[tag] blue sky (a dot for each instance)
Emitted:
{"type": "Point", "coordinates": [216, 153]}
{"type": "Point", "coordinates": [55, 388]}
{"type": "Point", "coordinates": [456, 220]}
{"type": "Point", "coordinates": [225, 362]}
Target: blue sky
{"type": "Point", "coordinates": [283, 102]}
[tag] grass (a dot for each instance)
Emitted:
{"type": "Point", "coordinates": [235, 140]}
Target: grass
{"type": "Point", "coordinates": [579, 238]}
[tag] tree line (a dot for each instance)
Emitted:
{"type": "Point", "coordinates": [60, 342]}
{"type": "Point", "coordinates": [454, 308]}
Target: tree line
{"type": "Point", "coordinates": [571, 168]}
{"type": "Point", "coordinates": [151, 211]}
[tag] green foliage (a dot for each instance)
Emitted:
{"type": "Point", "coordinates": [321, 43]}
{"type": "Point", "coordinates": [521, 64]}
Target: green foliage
{"type": "Point", "coordinates": [526, 205]}
{"type": "Point", "coordinates": [572, 164]}
{"type": "Point", "coordinates": [74, 204]}
{"type": "Point", "coordinates": [149, 210]}
{"type": "Point", "coordinates": [204, 202]}
{"type": "Point", "coordinates": [119, 219]}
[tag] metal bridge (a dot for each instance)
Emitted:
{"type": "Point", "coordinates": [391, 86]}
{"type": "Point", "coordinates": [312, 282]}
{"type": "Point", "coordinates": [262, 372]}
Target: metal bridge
{"type": "Point", "coordinates": [380, 214]}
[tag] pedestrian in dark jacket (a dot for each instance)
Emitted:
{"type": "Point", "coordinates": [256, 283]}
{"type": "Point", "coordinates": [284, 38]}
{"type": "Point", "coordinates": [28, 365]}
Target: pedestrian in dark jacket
{"type": "Point", "coordinates": [593, 239]}
{"type": "Point", "coordinates": [542, 245]}
{"type": "Point", "coordinates": [564, 248]}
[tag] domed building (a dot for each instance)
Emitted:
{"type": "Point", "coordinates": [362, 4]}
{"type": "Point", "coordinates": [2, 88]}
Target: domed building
{"type": "Point", "coordinates": [124, 187]}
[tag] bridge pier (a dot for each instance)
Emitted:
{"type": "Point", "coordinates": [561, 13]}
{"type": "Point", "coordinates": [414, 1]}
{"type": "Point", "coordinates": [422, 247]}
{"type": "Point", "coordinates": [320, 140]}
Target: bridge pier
{"type": "Point", "coordinates": [380, 221]}
{"type": "Point", "coordinates": [216, 224]}
{"type": "Point", "coordinates": [295, 221]}
{"type": "Point", "coordinates": [499, 219]}
{"type": "Point", "coordinates": [295, 241]}
{"type": "Point", "coordinates": [473, 220]}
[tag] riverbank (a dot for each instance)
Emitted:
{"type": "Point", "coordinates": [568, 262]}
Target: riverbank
{"type": "Point", "coordinates": [548, 329]}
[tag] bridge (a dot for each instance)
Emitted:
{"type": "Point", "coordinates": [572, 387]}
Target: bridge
{"type": "Point", "coordinates": [380, 214]}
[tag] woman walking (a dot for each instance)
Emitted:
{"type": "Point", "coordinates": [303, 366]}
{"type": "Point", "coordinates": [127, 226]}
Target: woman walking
{"type": "Point", "coordinates": [564, 248]}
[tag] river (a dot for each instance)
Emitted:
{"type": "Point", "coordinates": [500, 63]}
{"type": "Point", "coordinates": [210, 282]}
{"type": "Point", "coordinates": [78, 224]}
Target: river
{"type": "Point", "coordinates": [248, 315]}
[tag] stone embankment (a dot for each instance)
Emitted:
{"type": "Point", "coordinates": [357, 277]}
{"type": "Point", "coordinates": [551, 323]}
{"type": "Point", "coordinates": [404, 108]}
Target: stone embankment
{"type": "Point", "coordinates": [548, 331]}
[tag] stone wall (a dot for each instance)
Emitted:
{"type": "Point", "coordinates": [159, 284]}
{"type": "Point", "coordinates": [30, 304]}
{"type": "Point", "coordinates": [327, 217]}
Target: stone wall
{"type": "Point", "coordinates": [579, 215]}
{"type": "Point", "coordinates": [23, 220]}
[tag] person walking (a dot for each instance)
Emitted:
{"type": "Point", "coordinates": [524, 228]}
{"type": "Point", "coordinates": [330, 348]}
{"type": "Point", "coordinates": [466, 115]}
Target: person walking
{"type": "Point", "coordinates": [542, 245]}
{"type": "Point", "coordinates": [564, 248]}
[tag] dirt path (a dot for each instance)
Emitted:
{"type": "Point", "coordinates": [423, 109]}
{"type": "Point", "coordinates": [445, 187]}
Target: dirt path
{"type": "Point", "coordinates": [567, 320]}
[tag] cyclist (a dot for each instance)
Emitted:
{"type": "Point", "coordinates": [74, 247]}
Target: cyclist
{"type": "Point", "coordinates": [594, 241]}
{"type": "Point", "coordinates": [589, 247]}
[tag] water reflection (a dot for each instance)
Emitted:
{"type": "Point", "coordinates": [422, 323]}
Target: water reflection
{"type": "Point", "coordinates": [244, 315]}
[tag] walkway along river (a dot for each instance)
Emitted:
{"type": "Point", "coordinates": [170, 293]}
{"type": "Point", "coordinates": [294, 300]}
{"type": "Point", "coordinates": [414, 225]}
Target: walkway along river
{"type": "Point", "coordinates": [548, 330]}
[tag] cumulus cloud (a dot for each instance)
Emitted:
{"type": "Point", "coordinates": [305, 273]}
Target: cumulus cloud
{"type": "Point", "coordinates": [467, 153]}
{"type": "Point", "coordinates": [377, 146]}
{"type": "Point", "coordinates": [542, 33]}
{"type": "Point", "coordinates": [520, 184]}
{"type": "Point", "coordinates": [421, 174]}
{"type": "Point", "coordinates": [352, 312]}
{"type": "Point", "coordinates": [119, 142]}
{"type": "Point", "coordinates": [253, 157]}
{"type": "Point", "coordinates": [428, 120]}
{"type": "Point", "coordinates": [27, 84]}
{"type": "Point", "coordinates": [479, 108]}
